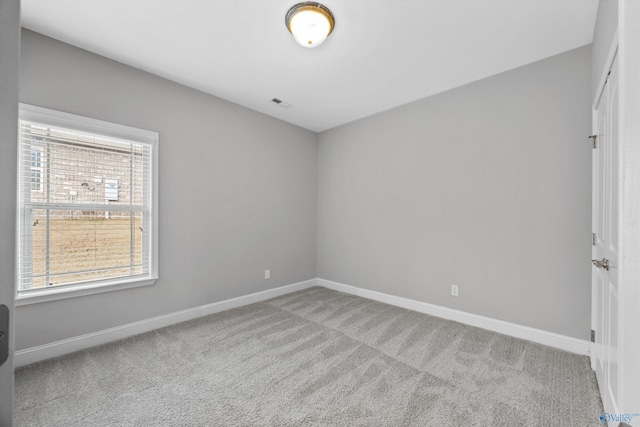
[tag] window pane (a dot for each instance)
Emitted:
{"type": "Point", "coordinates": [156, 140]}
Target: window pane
{"type": "Point", "coordinates": [35, 157]}
{"type": "Point", "coordinates": [35, 179]}
{"type": "Point", "coordinates": [84, 169]}
{"type": "Point", "coordinates": [85, 246]}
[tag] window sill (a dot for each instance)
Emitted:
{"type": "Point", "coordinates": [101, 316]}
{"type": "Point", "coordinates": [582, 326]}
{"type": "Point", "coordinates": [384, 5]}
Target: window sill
{"type": "Point", "coordinates": [82, 290]}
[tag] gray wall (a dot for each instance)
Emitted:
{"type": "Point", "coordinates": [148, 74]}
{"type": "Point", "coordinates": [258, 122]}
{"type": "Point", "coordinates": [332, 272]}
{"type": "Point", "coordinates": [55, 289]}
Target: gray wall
{"type": "Point", "coordinates": [9, 61]}
{"type": "Point", "coordinates": [258, 174]}
{"type": "Point", "coordinates": [606, 26]}
{"type": "Point", "coordinates": [486, 186]}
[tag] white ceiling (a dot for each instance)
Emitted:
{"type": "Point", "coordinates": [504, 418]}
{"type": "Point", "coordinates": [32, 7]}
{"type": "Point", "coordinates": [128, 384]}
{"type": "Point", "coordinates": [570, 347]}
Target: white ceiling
{"type": "Point", "coordinates": [381, 54]}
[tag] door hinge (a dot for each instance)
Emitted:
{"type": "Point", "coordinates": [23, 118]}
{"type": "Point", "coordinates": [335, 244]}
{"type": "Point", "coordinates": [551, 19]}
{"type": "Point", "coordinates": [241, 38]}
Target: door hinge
{"type": "Point", "coordinates": [594, 138]}
{"type": "Point", "coordinates": [593, 336]}
{"type": "Point", "coordinates": [593, 239]}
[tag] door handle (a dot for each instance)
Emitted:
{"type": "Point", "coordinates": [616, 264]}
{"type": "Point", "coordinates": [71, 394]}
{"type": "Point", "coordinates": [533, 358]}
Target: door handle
{"type": "Point", "coordinates": [601, 264]}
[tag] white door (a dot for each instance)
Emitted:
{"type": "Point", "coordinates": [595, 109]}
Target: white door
{"type": "Point", "coordinates": [606, 247]}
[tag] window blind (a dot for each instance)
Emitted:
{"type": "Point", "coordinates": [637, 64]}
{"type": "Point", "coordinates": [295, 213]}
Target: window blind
{"type": "Point", "coordinates": [85, 205]}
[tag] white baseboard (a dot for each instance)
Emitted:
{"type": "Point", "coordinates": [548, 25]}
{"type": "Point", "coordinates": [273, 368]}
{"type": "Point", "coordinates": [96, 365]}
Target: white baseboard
{"type": "Point", "coordinates": [58, 348]}
{"type": "Point", "coordinates": [539, 336]}
{"type": "Point", "coordinates": [70, 345]}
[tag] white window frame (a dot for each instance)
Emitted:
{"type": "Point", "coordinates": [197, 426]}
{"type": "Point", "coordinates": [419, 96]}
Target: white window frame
{"type": "Point", "coordinates": [86, 124]}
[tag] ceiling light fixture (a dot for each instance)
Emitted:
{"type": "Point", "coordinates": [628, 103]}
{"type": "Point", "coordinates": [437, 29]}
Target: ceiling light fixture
{"type": "Point", "coordinates": [310, 23]}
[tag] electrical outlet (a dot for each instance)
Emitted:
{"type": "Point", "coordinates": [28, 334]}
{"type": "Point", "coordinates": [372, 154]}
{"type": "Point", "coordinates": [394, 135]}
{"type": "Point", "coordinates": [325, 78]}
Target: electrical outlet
{"type": "Point", "coordinates": [454, 290]}
{"type": "Point", "coordinates": [267, 274]}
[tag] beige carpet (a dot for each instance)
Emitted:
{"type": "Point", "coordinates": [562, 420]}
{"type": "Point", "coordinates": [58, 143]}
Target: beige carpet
{"type": "Point", "coordinates": [314, 357]}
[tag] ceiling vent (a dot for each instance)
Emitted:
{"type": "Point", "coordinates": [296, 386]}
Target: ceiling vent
{"type": "Point", "coordinates": [280, 102]}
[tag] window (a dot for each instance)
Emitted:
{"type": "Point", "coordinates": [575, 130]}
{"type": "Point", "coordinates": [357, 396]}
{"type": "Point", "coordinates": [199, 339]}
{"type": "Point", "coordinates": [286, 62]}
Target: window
{"type": "Point", "coordinates": [36, 167]}
{"type": "Point", "coordinates": [87, 200]}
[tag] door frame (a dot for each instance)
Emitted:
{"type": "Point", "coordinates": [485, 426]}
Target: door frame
{"type": "Point", "coordinates": [629, 219]}
{"type": "Point", "coordinates": [9, 85]}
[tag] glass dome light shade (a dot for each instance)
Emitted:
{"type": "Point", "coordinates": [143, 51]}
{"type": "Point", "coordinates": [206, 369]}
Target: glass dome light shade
{"type": "Point", "coordinates": [310, 23]}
